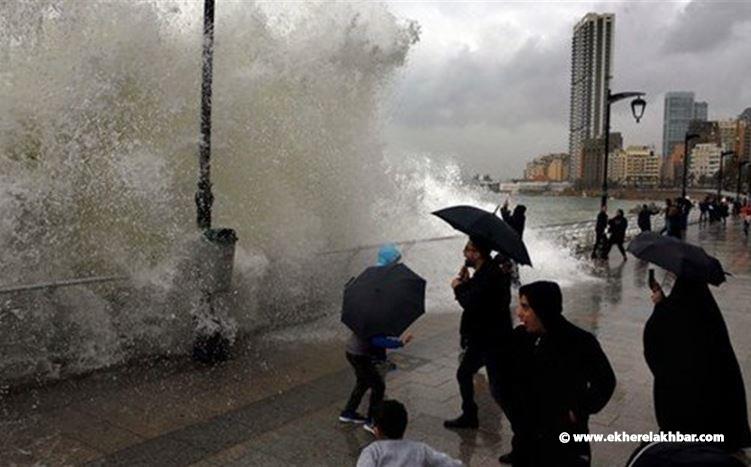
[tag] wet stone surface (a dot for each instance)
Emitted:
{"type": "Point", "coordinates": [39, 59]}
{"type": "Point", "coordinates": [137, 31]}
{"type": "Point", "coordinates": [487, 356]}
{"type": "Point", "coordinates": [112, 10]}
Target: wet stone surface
{"type": "Point", "coordinates": [277, 401]}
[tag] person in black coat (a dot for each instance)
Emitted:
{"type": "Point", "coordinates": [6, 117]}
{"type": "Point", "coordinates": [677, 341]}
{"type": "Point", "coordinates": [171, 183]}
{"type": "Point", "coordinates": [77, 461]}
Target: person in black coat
{"type": "Point", "coordinates": [600, 239]}
{"type": "Point", "coordinates": [617, 227]}
{"type": "Point", "coordinates": [698, 387]}
{"type": "Point", "coordinates": [560, 377]}
{"type": "Point", "coordinates": [515, 220]}
{"type": "Point", "coordinates": [485, 328]}
{"type": "Point", "coordinates": [644, 220]}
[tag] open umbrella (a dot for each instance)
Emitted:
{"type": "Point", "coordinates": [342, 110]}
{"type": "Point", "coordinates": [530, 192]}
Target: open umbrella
{"type": "Point", "coordinates": [383, 300]}
{"type": "Point", "coordinates": [486, 225]}
{"type": "Point", "coordinates": [681, 258]}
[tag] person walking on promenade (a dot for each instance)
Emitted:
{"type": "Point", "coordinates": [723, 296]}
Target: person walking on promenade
{"type": "Point", "coordinates": [600, 239]}
{"type": "Point", "coordinates": [515, 220]}
{"type": "Point", "coordinates": [560, 377]}
{"type": "Point", "coordinates": [672, 219]}
{"type": "Point", "coordinates": [365, 354]}
{"type": "Point", "coordinates": [746, 215]}
{"type": "Point", "coordinates": [703, 210]}
{"type": "Point", "coordinates": [391, 449]}
{"type": "Point", "coordinates": [617, 227]}
{"type": "Point", "coordinates": [698, 387]}
{"type": "Point", "coordinates": [644, 220]}
{"type": "Point", "coordinates": [485, 328]}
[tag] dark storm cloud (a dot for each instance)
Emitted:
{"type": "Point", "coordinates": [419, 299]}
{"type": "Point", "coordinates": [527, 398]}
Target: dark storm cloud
{"type": "Point", "coordinates": [489, 84]}
{"type": "Point", "coordinates": [704, 26]}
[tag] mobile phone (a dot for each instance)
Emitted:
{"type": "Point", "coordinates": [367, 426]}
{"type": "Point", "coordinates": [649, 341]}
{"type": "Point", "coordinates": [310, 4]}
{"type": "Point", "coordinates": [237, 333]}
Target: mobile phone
{"type": "Point", "coordinates": [652, 281]}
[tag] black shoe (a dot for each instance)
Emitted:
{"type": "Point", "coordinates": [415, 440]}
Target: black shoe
{"type": "Point", "coordinates": [463, 421]}
{"type": "Point", "coordinates": [507, 458]}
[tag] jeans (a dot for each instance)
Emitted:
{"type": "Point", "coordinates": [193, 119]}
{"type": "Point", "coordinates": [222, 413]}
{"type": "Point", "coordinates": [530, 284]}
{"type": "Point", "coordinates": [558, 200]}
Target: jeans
{"type": "Point", "coordinates": [476, 357]}
{"type": "Point", "coordinates": [368, 377]}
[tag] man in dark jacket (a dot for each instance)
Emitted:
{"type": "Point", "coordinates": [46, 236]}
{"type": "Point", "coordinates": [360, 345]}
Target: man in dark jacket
{"type": "Point", "coordinates": [645, 219]}
{"type": "Point", "coordinates": [485, 328]}
{"type": "Point", "coordinates": [560, 377]}
{"type": "Point", "coordinates": [617, 227]}
{"type": "Point", "coordinates": [600, 240]}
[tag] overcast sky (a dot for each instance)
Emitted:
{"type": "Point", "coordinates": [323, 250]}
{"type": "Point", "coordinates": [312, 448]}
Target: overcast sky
{"type": "Point", "coordinates": [488, 83]}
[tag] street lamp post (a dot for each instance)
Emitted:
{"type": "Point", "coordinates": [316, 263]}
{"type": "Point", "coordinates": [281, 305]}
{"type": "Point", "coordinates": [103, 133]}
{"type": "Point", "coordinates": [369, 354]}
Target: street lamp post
{"type": "Point", "coordinates": [686, 140]}
{"type": "Point", "coordinates": [637, 109]}
{"type": "Point", "coordinates": [204, 197]}
{"type": "Point", "coordinates": [740, 171]}
{"type": "Point", "coordinates": [719, 181]}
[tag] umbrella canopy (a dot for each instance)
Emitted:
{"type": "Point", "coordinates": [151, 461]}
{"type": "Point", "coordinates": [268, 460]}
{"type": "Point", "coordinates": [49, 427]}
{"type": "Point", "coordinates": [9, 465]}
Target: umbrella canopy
{"type": "Point", "coordinates": [681, 258]}
{"type": "Point", "coordinates": [383, 300]}
{"type": "Point", "coordinates": [486, 225]}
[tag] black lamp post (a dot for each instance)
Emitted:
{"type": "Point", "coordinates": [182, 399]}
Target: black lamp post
{"type": "Point", "coordinates": [740, 171]}
{"type": "Point", "coordinates": [204, 197]}
{"type": "Point", "coordinates": [686, 140]}
{"type": "Point", "coordinates": [637, 109]}
{"type": "Point", "coordinates": [719, 180]}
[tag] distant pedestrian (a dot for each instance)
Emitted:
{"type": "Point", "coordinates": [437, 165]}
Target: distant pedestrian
{"type": "Point", "coordinates": [645, 219]}
{"type": "Point", "coordinates": [600, 239]}
{"type": "Point", "coordinates": [746, 215]}
{"type": "Point", "coordinates": [672, 219]}
{"type": "Point", "coordinates": [365, 354]}
{"type": "Point", "coordinates": [515, 220]}
{"type": "Point", "coordinates": [485, 328]}
{"type": "Point", "coordinates": [698, 387]}
{"type": "Point", "coordinates": [617, 227]}
{"type": "Point", "coordinates": [391, 450]}
{"type": "Point", "coordinates": [561, 376]}
{"type": "Point", "coordinates": [704, 210]}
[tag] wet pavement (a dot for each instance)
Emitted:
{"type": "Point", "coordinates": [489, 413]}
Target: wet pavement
{"type": "Point", "coordinates": [277, 401]}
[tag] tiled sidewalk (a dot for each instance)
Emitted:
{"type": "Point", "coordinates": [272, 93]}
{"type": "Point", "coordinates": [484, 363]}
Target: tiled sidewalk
{"type": "Point", "coordinates": [276, 402]}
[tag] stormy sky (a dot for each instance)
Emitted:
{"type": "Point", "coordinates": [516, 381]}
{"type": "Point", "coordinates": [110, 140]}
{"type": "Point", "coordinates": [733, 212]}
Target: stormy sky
{"type": "Point", "coordinates": [488, 83]}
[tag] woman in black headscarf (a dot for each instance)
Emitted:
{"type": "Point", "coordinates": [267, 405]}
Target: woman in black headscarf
{"type": "Point", "coordinates": [561, 376]}
{"type": "Point", "coordinates": [698, 386]}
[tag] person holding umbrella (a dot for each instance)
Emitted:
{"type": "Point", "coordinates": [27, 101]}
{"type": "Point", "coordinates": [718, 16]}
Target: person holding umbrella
{"type": "Point", "coordinates": [378, 306]}
{"type": "Point", "coordinates": [698, 387]}
{"type": "Point", "coordinates": [485, 298]}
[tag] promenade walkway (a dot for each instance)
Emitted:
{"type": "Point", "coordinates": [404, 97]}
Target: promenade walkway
{"type": "Point", "coordinates": [276, 402]}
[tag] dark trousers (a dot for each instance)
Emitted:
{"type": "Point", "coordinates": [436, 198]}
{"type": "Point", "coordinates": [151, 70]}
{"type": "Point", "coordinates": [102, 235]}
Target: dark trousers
{"type": "Point", "coordinates": [367, 378]}
{"type": "Point", "coordinates": [474, 358]}
{"type": "Point", "coordinates": [617, 242]}
{"type": "Point", "coordinates": [600, 244]}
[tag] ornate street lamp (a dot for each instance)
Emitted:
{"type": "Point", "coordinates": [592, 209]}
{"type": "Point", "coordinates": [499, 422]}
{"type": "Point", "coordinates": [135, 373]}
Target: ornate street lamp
{"type": "Point", "coordinates": [637, 109]}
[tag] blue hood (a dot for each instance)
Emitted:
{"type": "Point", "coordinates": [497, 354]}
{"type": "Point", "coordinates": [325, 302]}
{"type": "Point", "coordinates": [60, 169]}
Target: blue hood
{"type": "Point", "coordinates": [388, 254]}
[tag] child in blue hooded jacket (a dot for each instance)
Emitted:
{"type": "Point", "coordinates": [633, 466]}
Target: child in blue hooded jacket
{"type": "Point", "coordinates": [363, 354]}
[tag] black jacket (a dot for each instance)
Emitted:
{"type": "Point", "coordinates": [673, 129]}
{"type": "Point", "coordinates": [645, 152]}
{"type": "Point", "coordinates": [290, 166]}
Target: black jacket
{"type": "Point", "coordinates": [698, 387]}
{"type": "Point", "coordinates": [602, 223]}
{"type": "Point", "coordinates": [485, 299]}
{"type": "Point", "coordinates": [645, 220]}
{"type": "Point", "coordinates": [561, 371]}
{"type": "Point", "coordinates": [515, 220]}
{"type": "Point", "coordinates": [617, 227]}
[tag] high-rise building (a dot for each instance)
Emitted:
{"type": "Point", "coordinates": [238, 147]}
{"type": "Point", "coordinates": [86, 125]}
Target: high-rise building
{"type": "Point", "coordinates": [591, 68]}
{"type": "Point", "coordinates": [680, 109]}
{"type": "Point", "coordinates": [704, 161]}
{"type": "Point", "coordinates": [701, 109]}
{"type": "Point", "coordinates": [744, 134]}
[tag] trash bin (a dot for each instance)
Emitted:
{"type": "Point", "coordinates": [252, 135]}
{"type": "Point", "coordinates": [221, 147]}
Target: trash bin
{"type": "Point", "coordinates": [216, 257]}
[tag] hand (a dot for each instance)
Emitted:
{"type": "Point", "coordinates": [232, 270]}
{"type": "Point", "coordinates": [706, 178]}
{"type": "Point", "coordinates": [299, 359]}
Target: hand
{"type": "Point", "coordinates": [464, 273]}
{"type": "Point", "coordinates": [407, 338]}
{"type": "Point", "coordinates": [456, 282]}
{"type": "Point", "coordinates": [572, 417]}
{"type": "Point", "coordinates": [657, 295]}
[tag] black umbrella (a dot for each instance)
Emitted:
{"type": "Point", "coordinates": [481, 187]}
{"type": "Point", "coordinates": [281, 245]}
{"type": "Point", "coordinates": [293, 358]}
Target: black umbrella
{"type": "Point", "coordinates": [681, 258]}
{"type": "Point", "coordinates": [486, 225]}
{"type": "Point", "coordinates": [383, 300]}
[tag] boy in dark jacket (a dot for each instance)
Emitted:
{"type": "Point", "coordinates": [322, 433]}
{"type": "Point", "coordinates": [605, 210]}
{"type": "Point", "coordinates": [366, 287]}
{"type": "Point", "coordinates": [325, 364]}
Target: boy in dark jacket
{"type": "Point", "coordinates": [560, 377]}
